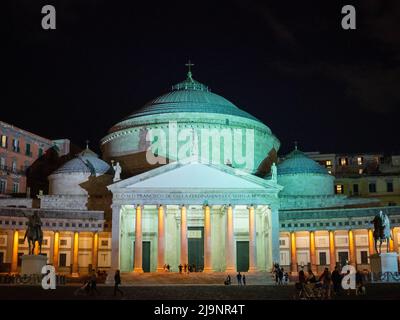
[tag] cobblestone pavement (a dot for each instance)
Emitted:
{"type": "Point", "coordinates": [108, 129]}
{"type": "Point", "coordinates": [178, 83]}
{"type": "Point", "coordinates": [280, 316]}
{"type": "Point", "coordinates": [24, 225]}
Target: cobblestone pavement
{"type": "Point", "coordinates": [186, 292]}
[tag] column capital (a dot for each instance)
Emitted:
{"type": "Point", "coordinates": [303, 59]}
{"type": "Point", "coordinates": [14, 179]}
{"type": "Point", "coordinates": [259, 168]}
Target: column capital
{"type": "Point", "coordinates": [139, 205]}
{"type": "Point", "coordinates": [183, 206]}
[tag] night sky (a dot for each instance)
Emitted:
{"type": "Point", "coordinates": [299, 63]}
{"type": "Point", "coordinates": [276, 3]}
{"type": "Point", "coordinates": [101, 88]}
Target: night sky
{"type": "Point", "coordinates": [289, 63]}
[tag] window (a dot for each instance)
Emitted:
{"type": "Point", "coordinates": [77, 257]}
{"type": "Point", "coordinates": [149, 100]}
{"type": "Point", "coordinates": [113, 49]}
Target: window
{"type": "Point", "coordinates": [14, 166]}
{"type": "Point", "coordinates": [63, 242]}
{"type": "Point", "coordinates": [372, 187]}
{"type": "Point", "coordinates": [343, 161]}
{"type": "Point", "coordinates": [28, 150]}
{"type": "Point", "coordinates": [322, 258]}
{"type": "Point", "coordinates": [360, 171]}
{"type": "Point", "coordinates": [2, 163]}
{"type": "Point", "coordinates": [15, 145]}
{"type": "Point", "coordinates": [389, 186]}
{"type": "Point", "coordinates": [3, 141]}
{"type": "Point", "coordinates": [40, 152]}
{"type": "Point", "coordinates": [339, 189]}
{"type": "Point", "coordinates": [282, 242]}
{"type": "Point", "coordinates": [3, 186]}
{"type": "Point", "coordinates": [355, 189]}
{"type": "Point", "coordinates": [360, 161]}
{"type": "Point", "coordinates": [19, 261]}
{"type": "Point", "coordinates": [21, 241]}
{"type": "Point", "coordinates": [15, 187]}
{"type": "Point", "coordinates": [104, 243]}
{"type": "Point", "coordinates": [328, 163]}
{"type": "Point", "coordinates": [63, 260]}
{"type": "Point", "coordinates": [364, 257]}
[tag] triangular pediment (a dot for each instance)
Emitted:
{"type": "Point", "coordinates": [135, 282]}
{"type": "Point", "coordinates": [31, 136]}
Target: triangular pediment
{"type": "Point", "coordinates": [178, 176]}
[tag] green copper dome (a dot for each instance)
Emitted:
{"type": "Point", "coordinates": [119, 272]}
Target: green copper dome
{"type": "Point", "coordinates": [297, 162]}
{"type": "Point", "coordinates": [190, 96]}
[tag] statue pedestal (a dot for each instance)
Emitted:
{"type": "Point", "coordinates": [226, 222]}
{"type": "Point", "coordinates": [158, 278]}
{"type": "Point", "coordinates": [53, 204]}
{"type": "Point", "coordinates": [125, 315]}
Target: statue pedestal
{"type": "Point", "coordinates": [31, 264]}
{"type": "Point", "coordinates": [383, 266]}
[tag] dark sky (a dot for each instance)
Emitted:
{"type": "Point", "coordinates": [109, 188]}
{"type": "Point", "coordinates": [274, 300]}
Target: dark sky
{"type": "Point", "coordinates": [289, 63]}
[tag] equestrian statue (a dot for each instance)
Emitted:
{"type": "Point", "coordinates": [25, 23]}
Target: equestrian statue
{"type": "Point", "coordinates": [381, 231]}
{"type": "Point", "coordinates": [34, 232]}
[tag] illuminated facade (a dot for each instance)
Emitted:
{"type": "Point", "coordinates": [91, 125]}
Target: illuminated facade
{"type": "Point", "coordinates": [231, 213]}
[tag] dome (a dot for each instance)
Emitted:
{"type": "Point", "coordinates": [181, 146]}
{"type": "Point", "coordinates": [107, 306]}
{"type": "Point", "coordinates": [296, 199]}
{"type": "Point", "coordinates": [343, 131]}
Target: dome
{"type": "Point", "coordinates": [297, 162]}
{"type": "Point", "coordinates": [85, 162]}
{"type": "Point", "coordinates": [302, 176]}
{"type": "Point", "coordinates": [190, 105]}
{"type": "Point", "coordinates": [190, 96]}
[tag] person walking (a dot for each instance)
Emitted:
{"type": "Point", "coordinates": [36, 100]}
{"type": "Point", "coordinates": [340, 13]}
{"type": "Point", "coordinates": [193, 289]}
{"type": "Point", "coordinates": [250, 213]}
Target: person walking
{"type": "Point", "coordinates": [326, 278]}
{"type": "Point", "coordinates": [239, 278]}
{"type": "Point", "coordinates": [117, 282]}
{"type": "Point", "coordinates": [336, 280]}
{"type": "Point", "coordinates": [280, 276]}
{"type": "Point", "coordinates": [93, 284]}
{"type": "Point", "coordinates": [244, 280]}
{"type": "Point", "coordinates": [180, 268]}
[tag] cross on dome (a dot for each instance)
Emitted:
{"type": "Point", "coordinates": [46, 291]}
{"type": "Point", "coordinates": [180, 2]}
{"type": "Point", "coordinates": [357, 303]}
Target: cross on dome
{"type": "Point", "coordinates": [189, 64]}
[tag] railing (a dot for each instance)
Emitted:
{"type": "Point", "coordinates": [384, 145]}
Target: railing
{"type": "Point", "coordinates": [14, 170]}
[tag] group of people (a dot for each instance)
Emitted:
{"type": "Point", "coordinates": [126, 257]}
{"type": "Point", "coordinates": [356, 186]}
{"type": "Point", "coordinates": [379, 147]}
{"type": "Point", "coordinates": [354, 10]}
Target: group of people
{"type": "Point", "coordinates": [327, 283]}
{"type": "Point", "coordinates": [90, 285]}
{"type": "Point", "coordinates": [281, 277]}
{"type": "Point", "coordinates": [186, 268]}
{"type": "Point", "coordinates": [241, 279]}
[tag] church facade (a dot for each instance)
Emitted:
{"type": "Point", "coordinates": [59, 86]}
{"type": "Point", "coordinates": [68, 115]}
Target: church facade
{"type": "Point", "coordinates": [202, 185]}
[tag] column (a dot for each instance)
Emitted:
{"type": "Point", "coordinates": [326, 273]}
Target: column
{"type": "Point", "coordinates": [352, 249]}
{"type": "Point", "coordinates": [332, 252]}
{"type": "Point", "coordinates": [371, 242]}
{"type": "Point", "coordinates": [14, 261]}
{"type": "Point", "coordinates": [275, 234]}
{"type": "Point", "coordinates": [75, 255]}
{"type": "Point", "coordinates": [313, 258]}
{"type": "Point", "coordinates": [293, 253]}
{"type": "Point", "coordinates": [138, 262]}
{"type": "Point", "coordinates": [395, 240]}
{"type": "Point", "coordinates": [161, 239]}
{"type": "Point", "coordinates": [229, 241]}
{"type": "Point", "coordinates": [36, 249]}
{"type": "Point", "coordinates": [252, 240]}
{"type": "Point", "coordinates": [115, 241]}
{"type": "Point", "coordinates": [184, 239]}
{"type": "Point", "coordinates": [95, 250]}
{"type": "Point", "coordinates": [207, 239]}
{"type": "Point", "coordinates": [56, 245]}
{"type": "Point", "coordinates": [391, 242]}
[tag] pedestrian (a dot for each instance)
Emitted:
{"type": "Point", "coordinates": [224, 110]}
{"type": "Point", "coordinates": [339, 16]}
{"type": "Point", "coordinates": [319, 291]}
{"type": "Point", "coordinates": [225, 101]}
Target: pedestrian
{"type": "Point", "coordinates": [168, 267]}
{"type": "Point", "coordinates": [93, 284]}
{"type": "Point", "coordinates": [244, 280]}
{"type": "Point", "coordinates": [180, 268]}
{"type": "Point", "coordinates": [185, 266]}
{"type": "Point", "coordinates": [227, 281]}
{"type": "Point", "coordinates": [280, 276]}
{"type": "Point", "coordinates": [326, 279]}
{"type": "Point", "coordinates": [239, 278]}
{"type": "Point", "coordinates": [117, 282]}
{"type": "Point", "coordinates": [336, 280]}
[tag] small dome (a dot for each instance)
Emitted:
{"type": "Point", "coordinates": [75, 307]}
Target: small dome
{"type": "Point", "coordinates": [301, 176]}
{"type": "Point", "coordinates": [86, 162]}
{"type": "Point", "coordinates": [297, 162]}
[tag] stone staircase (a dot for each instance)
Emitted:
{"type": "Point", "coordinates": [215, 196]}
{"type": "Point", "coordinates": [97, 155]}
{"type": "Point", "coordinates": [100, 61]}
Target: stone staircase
{"type": "Point", "coordinates": [194, 278]}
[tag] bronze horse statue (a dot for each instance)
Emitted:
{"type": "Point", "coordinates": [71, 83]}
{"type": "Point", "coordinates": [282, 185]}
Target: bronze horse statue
{"type": "Point", "coordinates": [381, 231]}
{"type": "Point", "coordinates": [34, 233]}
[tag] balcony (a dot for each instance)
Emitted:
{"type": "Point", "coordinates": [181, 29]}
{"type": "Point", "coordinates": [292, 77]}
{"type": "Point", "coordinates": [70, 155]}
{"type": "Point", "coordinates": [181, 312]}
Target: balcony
{"type": "Point", "coordinates": [11, 170]}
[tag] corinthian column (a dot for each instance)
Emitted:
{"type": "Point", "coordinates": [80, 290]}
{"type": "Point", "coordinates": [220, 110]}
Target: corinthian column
{"type": "Point", "coordinates": [252, 241]}
{"type": "Point", "coordinates": [161, 239]}
{"type": "Point", "coordinates": [138, 264]}
{"type": "Point", "coordinates": [207, 240]}
{"type": "Point", "coordinates": [229, 242]}
{"type": "Point", "coordinates": [184, 239]}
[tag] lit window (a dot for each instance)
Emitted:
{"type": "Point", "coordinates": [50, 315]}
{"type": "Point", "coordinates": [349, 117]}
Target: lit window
{"type": "Point", "coordinates": [4, 141]}
{"type": "Point", "coordinates": [360, 161]}
{"type": "Point", "coordinates": [343, 161]}
{"type": "Point", "coordinates": [329, 171]}
{"type": "Point", "coordinates": [339, 188]}
{"type": "Point", "coordinates": [360, 171]}
{"type": "Point", "coordinates": [328, 163]}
